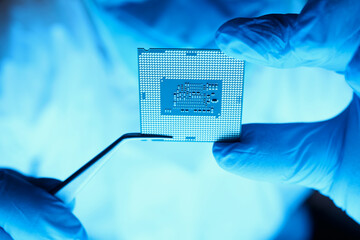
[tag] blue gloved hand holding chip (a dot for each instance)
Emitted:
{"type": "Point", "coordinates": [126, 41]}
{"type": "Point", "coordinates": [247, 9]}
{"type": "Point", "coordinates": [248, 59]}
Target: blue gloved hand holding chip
{"type": "Point", "coordinates": [28, 211]}
{"type": "Point", "coordinates": [321, 155]}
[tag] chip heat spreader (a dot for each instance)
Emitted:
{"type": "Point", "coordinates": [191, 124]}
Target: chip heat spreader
{"type": "Point", "coordinates": [190, 94]}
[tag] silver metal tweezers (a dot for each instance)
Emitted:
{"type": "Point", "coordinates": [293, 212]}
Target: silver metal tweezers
{"type": "Point", "coordinates": [67, 190]}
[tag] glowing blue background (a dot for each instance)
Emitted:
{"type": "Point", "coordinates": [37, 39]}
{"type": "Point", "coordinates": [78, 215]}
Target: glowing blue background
{"type": "Point", "coordinates": [65, 94]}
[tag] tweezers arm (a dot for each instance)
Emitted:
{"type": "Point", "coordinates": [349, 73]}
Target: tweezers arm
{"type": "Point", "coordinates": [67, 190]}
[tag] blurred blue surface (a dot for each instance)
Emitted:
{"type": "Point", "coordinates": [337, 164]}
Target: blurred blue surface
{"type": "Point", "coordinates": [68, 88]}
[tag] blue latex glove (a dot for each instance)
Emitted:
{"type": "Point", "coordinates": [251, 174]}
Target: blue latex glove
{"type": "Point", "coordinates": [321, 155]}
{"type": "Point", "coordinates": [28, 211]}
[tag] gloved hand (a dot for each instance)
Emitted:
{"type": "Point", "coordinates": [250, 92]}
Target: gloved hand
{"type": "Point", "coordinates": [321, 155]}
{"type": "Point", "coordinates": [28, 211]}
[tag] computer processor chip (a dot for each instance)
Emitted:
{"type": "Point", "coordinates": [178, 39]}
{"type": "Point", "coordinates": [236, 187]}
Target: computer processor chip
{"type": "Point", "coordinates": [190, 94]}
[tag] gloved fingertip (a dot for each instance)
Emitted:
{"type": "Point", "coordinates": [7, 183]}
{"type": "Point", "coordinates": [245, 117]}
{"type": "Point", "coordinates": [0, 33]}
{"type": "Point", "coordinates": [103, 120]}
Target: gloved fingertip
{"type": "Point", "coordinates": [81, 233]}
{"type": "Point", "coordinates": [263, 40]}
{"type": "Point", "coordinates": [235, 39]}
{"type": "Point", "coordinates": [44, 183]}
{"type": "Point", "coordinates": [73, 232]}
{"type": "Point", "coordinates": [218, 148]}
{"type": "Point", "coordinates": [66, 225]}
{"type": "Point", "coordinates": [228, 155]}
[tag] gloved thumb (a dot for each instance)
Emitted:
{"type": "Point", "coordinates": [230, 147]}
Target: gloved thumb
{"type": "Point", "coordinates": [302, 153]}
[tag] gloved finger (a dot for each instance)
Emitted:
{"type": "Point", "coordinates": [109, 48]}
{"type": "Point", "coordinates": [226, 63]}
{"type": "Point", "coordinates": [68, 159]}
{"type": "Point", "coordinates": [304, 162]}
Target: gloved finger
{"type": "Point", "coordinates": [316, 37]}
{"type": "Point", "coordinates": [49, 184]}
{"type": "Point", "coordinates": [44, 183]}
{"type": "Point", "coordinates": [263, 40]}
{"type": "Point", "coordinates": [302, 153]}
{"type": "Point", "coordinates": [352, 74]}
{"type": "Point", "coordinates": [29, 212]}
{"type": "Point", "coordinates": [4, 235]}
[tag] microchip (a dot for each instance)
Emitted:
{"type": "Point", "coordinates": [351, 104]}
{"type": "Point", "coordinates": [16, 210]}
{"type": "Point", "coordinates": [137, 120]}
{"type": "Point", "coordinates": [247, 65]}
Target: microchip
{"type": "Point", "coordinates": [190, 94]}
